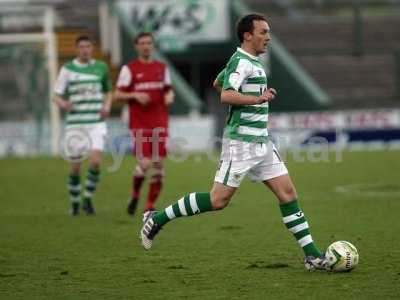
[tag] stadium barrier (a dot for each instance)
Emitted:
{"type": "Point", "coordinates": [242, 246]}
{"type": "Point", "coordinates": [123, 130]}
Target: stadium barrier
{"type": "Point", "coordinates": [352, 130]}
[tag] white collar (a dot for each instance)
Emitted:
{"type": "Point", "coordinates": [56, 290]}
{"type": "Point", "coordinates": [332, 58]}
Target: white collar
{"type": "Point", "coordinates": [79, 64]}
{"type": "Point", "coordinates": [248, 54]}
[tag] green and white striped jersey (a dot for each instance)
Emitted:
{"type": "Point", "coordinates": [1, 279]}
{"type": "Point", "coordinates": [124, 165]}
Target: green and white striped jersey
{"type": "Point", "coordinates": [85, 86]}
{"type": "Point", "coordinates": [245, 74]}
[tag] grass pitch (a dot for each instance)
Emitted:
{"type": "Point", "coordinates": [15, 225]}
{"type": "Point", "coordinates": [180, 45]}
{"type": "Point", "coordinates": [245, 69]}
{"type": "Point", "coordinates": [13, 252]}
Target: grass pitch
{"type": "Point", "coordinates": [242, 252]}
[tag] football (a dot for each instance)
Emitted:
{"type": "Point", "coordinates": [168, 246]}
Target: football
{"type": "Point", "coordinates": [342, 256]}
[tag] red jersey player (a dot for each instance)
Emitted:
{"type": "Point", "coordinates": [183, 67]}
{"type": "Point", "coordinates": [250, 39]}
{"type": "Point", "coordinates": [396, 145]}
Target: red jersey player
{"type": "Point", "coordinates": [145, 85]}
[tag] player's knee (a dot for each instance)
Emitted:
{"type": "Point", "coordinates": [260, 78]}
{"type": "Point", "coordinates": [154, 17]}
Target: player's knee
{"type": "Point", "coordinates": [291, 192]}
{"type": "Point", "coordinates": [158, 168]}
{"type": "Point", "coordinates": [287, 193]}
{"type": "Point", "coordinates": [75, 169]}
{"type": "Point", "coordinates": [95, 163]}
{"type": "Point", "coordinates": [95, 160]}
{"type": "Point", "coordinates": [145, 164]}
{"type": "Point", "coordinates": [219, 204]}
{"type": "Point", "coordinates": [157, 163]}
{"type": "Point", "coordinates": [219, 200]}
{"type": "Point", "coordinates": [157, 175]}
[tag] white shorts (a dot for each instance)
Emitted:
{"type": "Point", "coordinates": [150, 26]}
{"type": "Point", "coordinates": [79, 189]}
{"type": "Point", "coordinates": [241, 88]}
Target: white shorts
{"type": "Point", "coordinates": [79, 140]}
{"type": "Point", "coordinates": [260, 160]}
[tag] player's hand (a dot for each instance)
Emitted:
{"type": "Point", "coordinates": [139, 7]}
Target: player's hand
{"type": "Point", "coordinates": [169, 98]}
{"type": "Point", "coordinates": [142, 98]}
{"type": "Point", "coordinates": [267, 96]}
{"type": "Point", "coordinates": [105, 111]}
{"type": "Point", "coordinates": [64, 105]}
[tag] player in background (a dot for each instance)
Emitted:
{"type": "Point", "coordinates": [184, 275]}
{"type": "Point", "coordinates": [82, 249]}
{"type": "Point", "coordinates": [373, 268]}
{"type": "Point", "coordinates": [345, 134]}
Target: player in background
{"type": "Point", "coordinates": [83, 91]}
{"type": "Point", "coordinates": [246, 147]}
{"type": "Point", "coordinates": [145, 84]}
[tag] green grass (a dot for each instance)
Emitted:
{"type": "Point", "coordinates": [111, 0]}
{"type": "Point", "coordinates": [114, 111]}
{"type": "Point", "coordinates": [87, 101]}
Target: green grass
{"type": "Point", "coordinates": [242, 252]}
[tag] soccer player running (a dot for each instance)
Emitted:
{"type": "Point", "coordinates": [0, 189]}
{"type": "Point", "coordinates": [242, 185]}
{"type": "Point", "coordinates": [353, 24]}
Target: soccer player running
{"type": "Point", "coordinates": [145, 84]}
{"type": "Point", "coordinates": [83, 91]}
{"type": "Point", "coordinates": [246, 147]}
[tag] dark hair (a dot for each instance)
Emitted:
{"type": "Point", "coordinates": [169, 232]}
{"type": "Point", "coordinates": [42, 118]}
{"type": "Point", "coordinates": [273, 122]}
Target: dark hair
{"type": "Point", "coordinates": [82, 38]}
{"type": "Point", "coordinates": [245, 24]}
{"type": "Point", "coordinates": [142, 34]}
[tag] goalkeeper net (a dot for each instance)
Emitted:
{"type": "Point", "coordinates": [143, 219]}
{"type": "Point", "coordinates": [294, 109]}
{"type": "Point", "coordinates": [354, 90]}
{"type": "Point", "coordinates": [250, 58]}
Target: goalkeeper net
{"type": "Point", "coordinates": [28, 120]}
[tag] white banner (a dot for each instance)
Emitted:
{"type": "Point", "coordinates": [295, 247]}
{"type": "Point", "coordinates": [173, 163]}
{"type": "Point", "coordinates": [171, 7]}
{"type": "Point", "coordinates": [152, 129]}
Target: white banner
{"type": "Point", "coordinates": [177, 21]}
{"type": "Point", "coordinates": [352, 119]}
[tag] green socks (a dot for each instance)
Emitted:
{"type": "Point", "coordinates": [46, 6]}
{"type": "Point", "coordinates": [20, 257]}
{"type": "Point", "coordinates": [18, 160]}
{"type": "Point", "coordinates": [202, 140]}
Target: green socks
{"type": "Point", "coordinates": [192, 204]}
{"type": "Point", "coordinates": [74, 188]}
{"type": "Point", "coordinates": [294, 220]}
{"type": "Point", "coordinates": [90, 184]}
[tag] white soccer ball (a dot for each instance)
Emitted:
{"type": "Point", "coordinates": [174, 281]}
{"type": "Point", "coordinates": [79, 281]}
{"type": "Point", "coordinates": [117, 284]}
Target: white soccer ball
{"type": "Point", "coordinates": [342, 256]}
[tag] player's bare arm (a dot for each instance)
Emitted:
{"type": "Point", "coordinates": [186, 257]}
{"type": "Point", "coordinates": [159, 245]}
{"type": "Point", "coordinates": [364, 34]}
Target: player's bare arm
{"type": "Point", "coordinates": [62, 103]}
{"type": "Point", "coordinates": [235, 98]}
{"type": "Point", "coordinates": [106, 108]}
{"type": "Point", "coordinates": [140, 97]}
{"type": "Point", "coordinates": [169, 97]}
{"type": "Point", "coordinates": [217, 86]}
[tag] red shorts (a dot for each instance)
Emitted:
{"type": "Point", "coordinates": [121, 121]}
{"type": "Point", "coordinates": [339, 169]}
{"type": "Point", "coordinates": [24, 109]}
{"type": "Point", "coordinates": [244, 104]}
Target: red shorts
{"type": "Point", "coordinates": [148, 145]}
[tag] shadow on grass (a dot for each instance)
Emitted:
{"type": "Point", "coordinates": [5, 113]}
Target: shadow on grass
{"type": "Point", "coordinates": [264, 265]}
